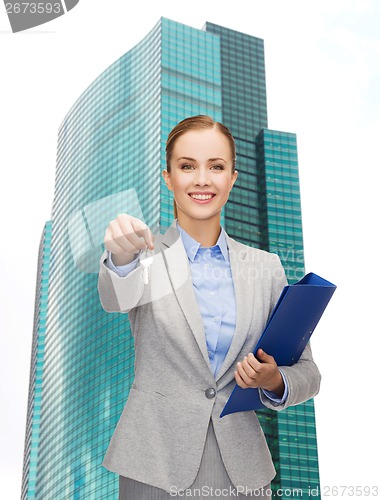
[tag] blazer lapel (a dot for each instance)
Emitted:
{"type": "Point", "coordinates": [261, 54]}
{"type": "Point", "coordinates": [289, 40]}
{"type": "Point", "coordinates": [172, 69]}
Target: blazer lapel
{"type": "Point", "coordinates": [244, 303]}
{"type": "Point", "coordinates": [179, 271]}
{"type": "Point", "coordinates": [180, 276]}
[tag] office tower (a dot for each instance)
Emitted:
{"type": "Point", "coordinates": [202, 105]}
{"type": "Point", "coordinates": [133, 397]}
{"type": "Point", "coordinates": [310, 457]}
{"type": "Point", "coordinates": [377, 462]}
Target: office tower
{"type": "Point", "coordinates": [33, 418]}
{"type": "Point", "coordinates": [111, 151]}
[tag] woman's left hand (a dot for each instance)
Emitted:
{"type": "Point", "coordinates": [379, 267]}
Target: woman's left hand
{"type": "Point", "coordinates": [260, 372]}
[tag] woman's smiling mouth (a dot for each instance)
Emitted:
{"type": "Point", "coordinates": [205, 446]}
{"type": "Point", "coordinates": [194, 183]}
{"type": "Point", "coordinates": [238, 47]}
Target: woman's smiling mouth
{"type": "Point", "coordinates": [202, 197]}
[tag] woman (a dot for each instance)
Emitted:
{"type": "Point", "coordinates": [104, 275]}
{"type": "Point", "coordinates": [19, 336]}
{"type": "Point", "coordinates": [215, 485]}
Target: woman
{"type": "Point", "coordinates": [195, 323]}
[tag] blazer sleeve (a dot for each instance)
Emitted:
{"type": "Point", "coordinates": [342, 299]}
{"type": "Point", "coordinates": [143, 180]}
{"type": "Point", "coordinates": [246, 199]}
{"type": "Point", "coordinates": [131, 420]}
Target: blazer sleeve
{"type": "Point", "coordinates": [303, 378]}
{"type": "Point", "coordinates": [119, 294]}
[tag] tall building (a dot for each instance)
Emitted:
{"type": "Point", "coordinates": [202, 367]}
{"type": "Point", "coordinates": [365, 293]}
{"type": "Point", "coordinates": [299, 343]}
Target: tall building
{"type": "Point", "coordinates": [33, 418]}
{"type": "Point", "coordinates": [111, 151]}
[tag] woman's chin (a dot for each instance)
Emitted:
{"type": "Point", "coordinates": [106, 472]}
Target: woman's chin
{"type": "Point", "coordinates": [201, 213]}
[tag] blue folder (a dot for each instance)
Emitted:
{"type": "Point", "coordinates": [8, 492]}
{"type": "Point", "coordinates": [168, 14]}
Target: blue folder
{"type": "Point", "coordinates": [290, 326]}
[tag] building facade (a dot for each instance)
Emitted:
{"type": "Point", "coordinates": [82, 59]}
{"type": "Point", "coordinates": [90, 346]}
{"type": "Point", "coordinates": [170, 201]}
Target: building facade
{"type": "Point", "coordinates": [111, 151]}
{"type": "Point", "coordinates": [33, 418]}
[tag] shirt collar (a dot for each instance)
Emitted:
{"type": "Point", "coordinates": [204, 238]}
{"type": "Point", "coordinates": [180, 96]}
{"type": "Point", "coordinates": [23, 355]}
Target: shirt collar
{"type": "Point", "coordinates": [192, 246]}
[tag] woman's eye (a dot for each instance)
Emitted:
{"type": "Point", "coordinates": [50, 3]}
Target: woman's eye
{"type": "Point", "coordinates": [187, 166]}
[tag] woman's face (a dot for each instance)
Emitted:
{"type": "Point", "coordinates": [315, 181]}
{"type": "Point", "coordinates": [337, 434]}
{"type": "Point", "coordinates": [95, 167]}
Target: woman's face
{"type": "Point", "coordinates": [201, 175]}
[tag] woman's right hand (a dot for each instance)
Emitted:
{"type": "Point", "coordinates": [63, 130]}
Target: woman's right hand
{"type": "Point", "coordinates": [126, 236]}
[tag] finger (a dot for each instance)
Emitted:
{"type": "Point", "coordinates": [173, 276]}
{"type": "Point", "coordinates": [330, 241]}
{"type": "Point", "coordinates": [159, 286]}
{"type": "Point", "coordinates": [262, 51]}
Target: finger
{"type": "Point", "coordinates": [246, 378]}
{"type": "Point", "coordinates": [121, 238]}
{"type": "Point", "coordinates": [137, 232]}
{"type": "Point", "coordinates": [110, 244]}
{"type": "Point", "coordinates": [248, 368]}
{"type": "Point", "coordinates": [254, 362]}
{"type": "Point", "coordinates": [240, 382]}
{"type": "Point", "coordinates": [147, 236]}
{"type": "Point", "coordinates": [143, 231]}
{"type": "Point", "coordinates": [126, 233]}
{"type": "Point", "coordinates": [266, 358]}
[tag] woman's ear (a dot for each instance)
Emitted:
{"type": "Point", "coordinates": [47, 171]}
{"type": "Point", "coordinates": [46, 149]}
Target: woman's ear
{"type": "Point", "coordinates": [166, 177]}
{"type": "Point", "coordinates": [234, 177]}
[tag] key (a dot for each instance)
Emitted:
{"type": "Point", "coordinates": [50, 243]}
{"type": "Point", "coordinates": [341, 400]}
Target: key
{"type": "Point", "coordinates": [146, 262]}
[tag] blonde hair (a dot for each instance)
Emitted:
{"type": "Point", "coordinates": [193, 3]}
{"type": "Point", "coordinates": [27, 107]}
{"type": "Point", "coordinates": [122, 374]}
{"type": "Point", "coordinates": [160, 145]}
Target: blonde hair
{"type": "Point", "coordinates": [196, 123]}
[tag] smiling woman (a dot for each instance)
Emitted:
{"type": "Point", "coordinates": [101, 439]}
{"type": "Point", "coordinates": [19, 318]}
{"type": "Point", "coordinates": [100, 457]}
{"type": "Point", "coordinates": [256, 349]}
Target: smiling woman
{"type": "Point", "coordinates": [194, 343]}
{"type": "Point", "coordinates": [200, 170]}
{"type": "Point", "coordinates": [218, 134]}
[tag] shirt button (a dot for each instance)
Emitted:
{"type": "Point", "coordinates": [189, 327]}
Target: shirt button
{"type": "Point", "coordinates": [210, 393]}
{"type": "Point", "coordinates": [211, 293]}
{"type": "Point", "coordinates": [207, 265]}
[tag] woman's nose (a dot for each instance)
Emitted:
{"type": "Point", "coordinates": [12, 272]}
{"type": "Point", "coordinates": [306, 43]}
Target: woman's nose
{"type": "Point", "coordinates": [202, 177]}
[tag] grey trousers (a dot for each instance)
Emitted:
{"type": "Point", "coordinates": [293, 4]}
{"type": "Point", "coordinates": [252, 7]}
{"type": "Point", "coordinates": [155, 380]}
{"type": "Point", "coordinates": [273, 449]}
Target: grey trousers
{"type": "Point", "coordinates": [212, 480]}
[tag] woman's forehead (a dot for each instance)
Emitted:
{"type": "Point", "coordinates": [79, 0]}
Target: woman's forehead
{"type": "Point", "coordinates": [204, 141]}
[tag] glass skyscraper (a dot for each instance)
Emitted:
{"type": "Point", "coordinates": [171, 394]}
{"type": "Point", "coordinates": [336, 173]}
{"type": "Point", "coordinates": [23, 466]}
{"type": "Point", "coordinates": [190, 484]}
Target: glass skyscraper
{"type": "Point", "coordinates": [111, 151]}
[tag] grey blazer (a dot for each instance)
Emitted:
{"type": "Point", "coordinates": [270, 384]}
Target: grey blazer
{"type": "Point", "coordinates": [161, 433]}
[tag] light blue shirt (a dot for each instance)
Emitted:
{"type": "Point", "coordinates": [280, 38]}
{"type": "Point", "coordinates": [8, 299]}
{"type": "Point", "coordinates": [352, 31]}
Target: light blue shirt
{"type": "Point", "coordinates": [214, 289]}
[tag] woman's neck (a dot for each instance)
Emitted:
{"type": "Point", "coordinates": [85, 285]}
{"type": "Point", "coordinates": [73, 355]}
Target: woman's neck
{"type": "Point", "coordinates": [205, 231]}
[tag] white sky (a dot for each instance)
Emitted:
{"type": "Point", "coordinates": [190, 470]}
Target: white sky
{"type": "Point", "coordinates": [323, 81]}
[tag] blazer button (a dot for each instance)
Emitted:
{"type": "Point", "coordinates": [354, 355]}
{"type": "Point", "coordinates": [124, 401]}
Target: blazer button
{"type": "Point", "coordinates": [210, 393]}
